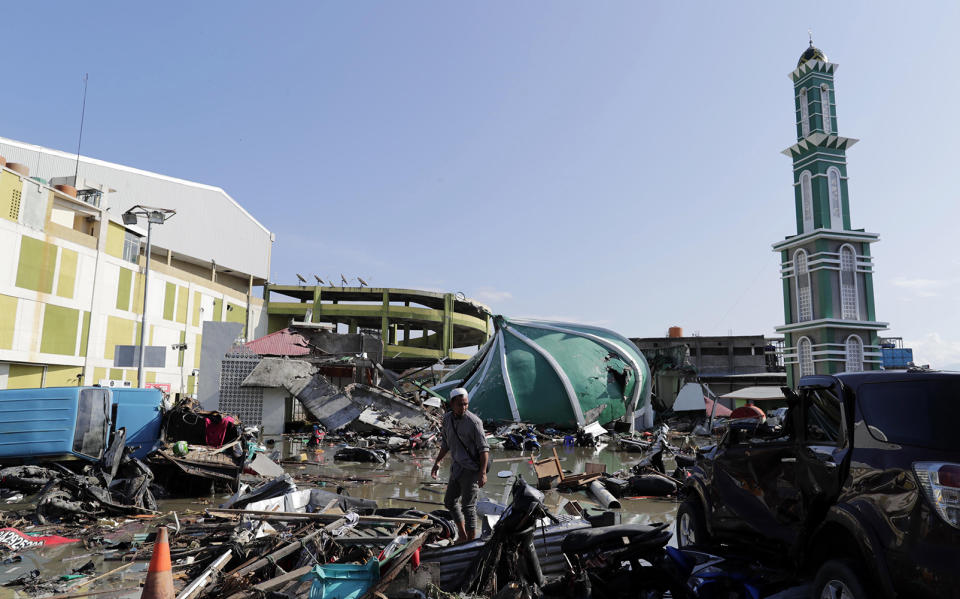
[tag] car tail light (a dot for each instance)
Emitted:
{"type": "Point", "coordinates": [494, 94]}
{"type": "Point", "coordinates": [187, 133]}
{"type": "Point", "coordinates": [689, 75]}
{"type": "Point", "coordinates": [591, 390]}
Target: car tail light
{"type": "Point", "coordinates": [941, 482]}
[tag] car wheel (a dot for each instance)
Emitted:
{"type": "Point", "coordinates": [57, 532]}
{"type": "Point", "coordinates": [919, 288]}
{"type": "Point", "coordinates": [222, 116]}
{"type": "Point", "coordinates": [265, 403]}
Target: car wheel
{"type": "Point", "coordinates": [838, 579]}
{"type": "Point", "coordinates": [691, 524]}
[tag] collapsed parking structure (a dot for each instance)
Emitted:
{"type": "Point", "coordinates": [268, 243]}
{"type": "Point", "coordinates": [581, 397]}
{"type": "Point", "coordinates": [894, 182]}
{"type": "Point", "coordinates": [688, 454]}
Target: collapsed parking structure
{"type": "Point", "coordinates": [418, 327]}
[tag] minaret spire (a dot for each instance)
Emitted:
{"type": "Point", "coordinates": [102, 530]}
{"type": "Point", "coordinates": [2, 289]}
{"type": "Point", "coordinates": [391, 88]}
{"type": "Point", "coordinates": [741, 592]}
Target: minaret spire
{"type": "Point", "coordinates": [827, 270]}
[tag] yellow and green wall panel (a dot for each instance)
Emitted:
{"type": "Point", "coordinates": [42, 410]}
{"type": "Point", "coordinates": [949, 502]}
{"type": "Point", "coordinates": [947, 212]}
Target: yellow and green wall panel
{"type": "Point", "coordinates": [120, 331]}
{"type": "Point", "coordinates": [169, 301]}
{"type": "Point", "coordinates": [36, 266]}
{"type": "Point", "coordinates": [25, 376]}
{"type": "Point", "coordinates": [67, 278]}
{"type": "Point", "coordinates": [8, 320]}
{"type": "Point", "coordinates": [123, 289]}
{"type": "Point", "coordinates": [11, 187]}
{"type": "Point", "coordinates": [115, 236]}
{"type": "Point", "coordinates": [59, 332]}
{"type": "Point", "coordinates": [182, 299]}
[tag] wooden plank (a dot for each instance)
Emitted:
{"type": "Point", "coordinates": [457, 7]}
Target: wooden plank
{"type": "Point", "coordinates": [596, 468]}
{"type": "Point", "coordinates": [313, 516]}
{"type": "Point", "coordinates": [279, 580]}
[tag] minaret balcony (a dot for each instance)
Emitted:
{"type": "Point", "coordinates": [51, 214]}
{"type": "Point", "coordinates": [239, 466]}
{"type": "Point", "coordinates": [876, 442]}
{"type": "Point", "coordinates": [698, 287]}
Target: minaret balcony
{"type": "Point", "coordinates": [818, 139]}
{"type": "Point", "coordinates": [837, 234]}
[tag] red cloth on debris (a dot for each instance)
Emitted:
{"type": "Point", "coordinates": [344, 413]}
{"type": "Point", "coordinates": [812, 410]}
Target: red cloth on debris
{"type": "Point", "coordinates": [215, 431]}
{"type": "Point", "coordinates": [749, 412]}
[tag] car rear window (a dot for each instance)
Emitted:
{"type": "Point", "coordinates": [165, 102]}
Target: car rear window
{"type": "Point", "coordinates": [920, 413]}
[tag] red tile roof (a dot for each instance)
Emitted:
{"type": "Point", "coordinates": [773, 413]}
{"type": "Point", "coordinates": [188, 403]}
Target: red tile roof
{"type": "Point", "coordinates": [282, 343]}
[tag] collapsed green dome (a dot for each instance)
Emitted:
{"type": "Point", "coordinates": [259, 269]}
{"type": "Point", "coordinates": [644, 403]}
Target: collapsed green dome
{"type": "Point", "coordinates": [563, 374]}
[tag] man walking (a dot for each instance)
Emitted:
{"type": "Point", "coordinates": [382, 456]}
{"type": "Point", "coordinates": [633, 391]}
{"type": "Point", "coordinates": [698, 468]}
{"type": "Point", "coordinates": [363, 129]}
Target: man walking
{"type": "Point", "coordinates": [463, 438]}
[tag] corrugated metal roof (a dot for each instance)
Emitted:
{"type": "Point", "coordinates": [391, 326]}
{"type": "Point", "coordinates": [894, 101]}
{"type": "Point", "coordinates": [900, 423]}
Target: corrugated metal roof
{"type": "Point", "coordinates": [282, 343]}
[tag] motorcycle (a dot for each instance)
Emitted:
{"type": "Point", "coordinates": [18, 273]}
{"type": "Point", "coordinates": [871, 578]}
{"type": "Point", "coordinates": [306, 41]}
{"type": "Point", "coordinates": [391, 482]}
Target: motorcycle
{"type": "Point", "coordinates": [597, 564]}
{"type": "Point", "coordinates": [525, 440]}
{"type": "Point", "coordinates": [509, 554]}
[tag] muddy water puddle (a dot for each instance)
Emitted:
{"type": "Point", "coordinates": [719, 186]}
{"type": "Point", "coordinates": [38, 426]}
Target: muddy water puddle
{"type": "Point", "coordinates": [403, 482]}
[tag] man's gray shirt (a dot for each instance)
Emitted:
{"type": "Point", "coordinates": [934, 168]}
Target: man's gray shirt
{"type": "Point", "coordinates": [465, 440]}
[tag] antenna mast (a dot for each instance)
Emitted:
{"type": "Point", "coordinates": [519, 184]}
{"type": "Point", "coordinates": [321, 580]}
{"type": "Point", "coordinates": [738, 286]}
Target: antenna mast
{"type": "Point", "coordinates": [83, 111]}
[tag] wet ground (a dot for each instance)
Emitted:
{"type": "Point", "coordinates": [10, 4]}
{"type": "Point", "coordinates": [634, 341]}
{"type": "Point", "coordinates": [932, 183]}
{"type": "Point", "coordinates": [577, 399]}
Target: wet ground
{"type": "Point", "coordinates": [403, 482]}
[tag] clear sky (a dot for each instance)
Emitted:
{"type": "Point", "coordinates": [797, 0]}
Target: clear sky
{"type": "Point", "coordinates": [607, 162]}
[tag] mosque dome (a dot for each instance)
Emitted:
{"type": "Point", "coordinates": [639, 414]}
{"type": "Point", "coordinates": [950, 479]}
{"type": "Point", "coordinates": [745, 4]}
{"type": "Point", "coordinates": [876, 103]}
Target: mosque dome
{"type": "Point", "coordinates": [812, 53]}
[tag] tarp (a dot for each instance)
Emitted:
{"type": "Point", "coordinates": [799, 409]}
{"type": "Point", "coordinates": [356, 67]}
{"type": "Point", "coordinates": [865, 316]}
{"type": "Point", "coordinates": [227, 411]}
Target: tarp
{"type": "Point", "coordinates": [694, 397]}
{"type": "Point", "coordinates": [557, 373]}
{"type": "Point", "coordinates": [690, 398]}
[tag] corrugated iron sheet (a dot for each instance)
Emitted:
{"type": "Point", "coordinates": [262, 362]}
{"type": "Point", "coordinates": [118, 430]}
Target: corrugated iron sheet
{"type": "Point", "coordinates": [281, 343]}
{"type": "Point", "coordinates": [456, 559]}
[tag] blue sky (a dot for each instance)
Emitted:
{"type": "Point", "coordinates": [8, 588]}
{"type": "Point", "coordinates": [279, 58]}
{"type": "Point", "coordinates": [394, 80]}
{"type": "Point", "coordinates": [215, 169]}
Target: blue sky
{"type": "Point", "coordinates": [606, 162]}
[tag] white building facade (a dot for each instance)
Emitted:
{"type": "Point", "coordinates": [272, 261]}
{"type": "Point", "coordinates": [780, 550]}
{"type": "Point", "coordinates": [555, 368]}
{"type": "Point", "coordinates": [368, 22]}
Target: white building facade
{"type": "Point", "coordinates": [72, 283]}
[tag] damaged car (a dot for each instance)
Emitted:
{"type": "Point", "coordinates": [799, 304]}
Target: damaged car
{"type": "Point", "coordinates": [859, 490]}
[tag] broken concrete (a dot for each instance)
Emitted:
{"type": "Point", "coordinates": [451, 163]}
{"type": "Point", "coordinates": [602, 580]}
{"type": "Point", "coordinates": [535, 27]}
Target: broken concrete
{"type": "Point", "coordinates": [279, 373]}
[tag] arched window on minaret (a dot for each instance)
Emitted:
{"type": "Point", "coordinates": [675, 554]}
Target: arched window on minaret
{"type": "Point", "coordinates": [854, 354]}
{"type": "Point", "coordinates": [804, 301]}
{"type": "Point", "coordinates": [849, 305]}
{"type": "Point", "coordinates": [805, 356]}
{"type": "Point", "coordinates": [825, 109]}
{"type": "Point", "coordinates": [804, 114]}
{"type": "Point", "coordinates": [833, 189]}
{"type": "Point", "coordinates": [806, 200]}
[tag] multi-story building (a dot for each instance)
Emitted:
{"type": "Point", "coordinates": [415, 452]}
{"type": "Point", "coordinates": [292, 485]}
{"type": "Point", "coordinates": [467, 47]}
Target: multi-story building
{"type": "Point", "coordinates": [727, 363]}
{"type": "Point", "coordinates": [826, 268]}
{"type": "Point", "coordinates": [72, 281]}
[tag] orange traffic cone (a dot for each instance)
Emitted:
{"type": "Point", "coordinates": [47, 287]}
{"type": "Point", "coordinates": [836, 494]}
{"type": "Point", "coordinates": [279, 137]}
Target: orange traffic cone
{"type": "Point", "coordinates": [159, 584]}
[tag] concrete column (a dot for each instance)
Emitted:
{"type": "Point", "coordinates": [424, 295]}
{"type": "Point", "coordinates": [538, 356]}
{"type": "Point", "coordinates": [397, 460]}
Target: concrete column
{"type": "Point", "coordinates": [316, 304]}
{"type": "Point", "coordinates": [447, 335]}
{"type": "Point", "coordinates": [384, 321]}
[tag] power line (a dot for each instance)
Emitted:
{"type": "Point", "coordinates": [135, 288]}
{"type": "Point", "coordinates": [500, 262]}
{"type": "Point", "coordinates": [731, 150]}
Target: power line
{"type": "Point", "coordinates": [83, 112]}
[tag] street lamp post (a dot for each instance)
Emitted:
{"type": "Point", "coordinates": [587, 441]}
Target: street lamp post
{"type": "Point", "coordinates": [154, 216]}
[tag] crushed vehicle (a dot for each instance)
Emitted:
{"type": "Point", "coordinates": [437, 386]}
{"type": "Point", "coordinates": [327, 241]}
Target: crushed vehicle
{"type": "Point", "coordinates": [76, 423]}
{"type": "Point", "coordinates": [859, 489]}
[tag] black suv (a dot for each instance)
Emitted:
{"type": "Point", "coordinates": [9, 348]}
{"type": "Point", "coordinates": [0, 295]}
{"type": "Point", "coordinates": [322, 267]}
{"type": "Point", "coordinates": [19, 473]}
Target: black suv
{"type": "Point", "coordinates": [859, 488]}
